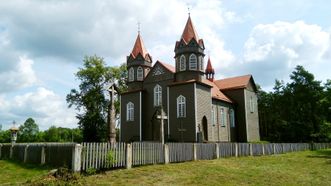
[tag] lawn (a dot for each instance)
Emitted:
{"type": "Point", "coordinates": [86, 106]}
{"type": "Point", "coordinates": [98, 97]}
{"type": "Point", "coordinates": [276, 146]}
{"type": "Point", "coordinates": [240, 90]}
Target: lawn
{"type": "Point", "coordinates": [299, 168]}
{"type": "Point", "coordinates": [16, 173]}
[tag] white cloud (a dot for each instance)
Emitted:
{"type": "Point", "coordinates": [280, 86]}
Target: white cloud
{"type": "Point", "coordinates": [46, 107]}
{"type": "Point", "coordinates": [273, 50]}
{"type": "Point", "coordinates": [22, 75]}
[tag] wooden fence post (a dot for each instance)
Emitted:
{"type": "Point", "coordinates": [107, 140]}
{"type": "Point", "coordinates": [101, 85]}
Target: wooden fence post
{"type": "Point", "coordinates": [217, 151]}
{"type": "Point", "coordinates": [26, 153]}
{"type": "Point", "coordinates": [274, 148]}
{"type": "Point", "coordinates": [194, 152]}
{"type": "Point", "coordinates": [76, 158]}
{"type": "Point", "coordinates": [0, 150]}
{"type": "Point", "coordinates": [128, 156]}
{"type": "Point", "coordinates": [251, 149]}
{"type": "Point", "coordinates": [43, 155]}
{"type": "Point", "coordinates": [236, 149]}
{"type": "Point", "coordinates": [263, 153]}
{"type": "Point", "coordinates": [166, 153]}
{"type": "Point", "coordinates": [11, 151]}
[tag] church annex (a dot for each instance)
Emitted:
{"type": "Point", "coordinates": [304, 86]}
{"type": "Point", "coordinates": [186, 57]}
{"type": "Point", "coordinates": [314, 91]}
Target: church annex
{"type": "Point", "coordinates": [196, 107]}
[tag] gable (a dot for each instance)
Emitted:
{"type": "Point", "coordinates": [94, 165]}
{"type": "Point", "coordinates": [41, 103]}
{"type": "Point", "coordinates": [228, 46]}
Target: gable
{"type": "Point", "coordinates": [159, 72]}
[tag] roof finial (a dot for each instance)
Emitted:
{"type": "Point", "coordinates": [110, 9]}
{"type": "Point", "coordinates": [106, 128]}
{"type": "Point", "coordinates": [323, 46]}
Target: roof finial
{"type": "Point", "coordinates": [188, 9]}
{"type": "Point", "coordinates": [138, 25]}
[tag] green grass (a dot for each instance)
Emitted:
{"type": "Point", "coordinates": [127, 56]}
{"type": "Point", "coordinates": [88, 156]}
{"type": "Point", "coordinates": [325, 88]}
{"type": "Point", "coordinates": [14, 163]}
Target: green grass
{"type": "Point", "coordinates": [299, 168]}
{"type": "Point", "coordinates": [17, 173]}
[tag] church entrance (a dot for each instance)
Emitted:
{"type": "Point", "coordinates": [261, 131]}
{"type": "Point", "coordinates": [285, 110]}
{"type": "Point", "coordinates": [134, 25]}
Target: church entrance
{"type": "Point", "coordinates": [205, 128]}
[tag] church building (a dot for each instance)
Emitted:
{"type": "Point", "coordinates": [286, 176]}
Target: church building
{"type": "Point", "coordinates": [186, 99]}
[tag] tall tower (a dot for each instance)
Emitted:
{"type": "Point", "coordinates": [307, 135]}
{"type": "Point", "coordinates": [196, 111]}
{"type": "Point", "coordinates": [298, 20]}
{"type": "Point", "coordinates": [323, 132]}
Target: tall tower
{"type": "Point", "coordinates": [139, 63]}
{"type": "Point", "coordinates": [210, 72]}
{"type": "Point", "coordinates": [189, 53]}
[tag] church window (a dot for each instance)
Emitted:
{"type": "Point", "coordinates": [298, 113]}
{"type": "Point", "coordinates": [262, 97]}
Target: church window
{"type": "Point", "coordinates": [140, 74]}
{"type": "Point", "coordinates": [232, 120]}
{"type": "Point", "coordinates": [201, 63]}
{"type": "Point", "coordinates": [213, 115]}
{"type": "Point", "coordinates": [157, 95]}
{"type": "Point", "coordinates": [223, 117]}
{"type": "Point", "coordinates": [182, 63]}
{"type": "Point", "coordinates": [193, 62]}
{"type": "Point", "coordinates": [131, 74]}
{"type": "Point", "coordinates": [251, 105]}
{"type": "Point", "coordinates": [130, 111]}
{"type": "Point", "coordinates": [181, 107]}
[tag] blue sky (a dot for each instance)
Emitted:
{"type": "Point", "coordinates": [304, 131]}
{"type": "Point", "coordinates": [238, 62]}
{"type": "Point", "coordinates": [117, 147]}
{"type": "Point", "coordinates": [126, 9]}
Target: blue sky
{"type": "Point", "coordinates": [42, 44]}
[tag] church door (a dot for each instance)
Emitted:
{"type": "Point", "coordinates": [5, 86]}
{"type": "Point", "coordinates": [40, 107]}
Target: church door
{"type": "Point", "coordinates": [205, 128]}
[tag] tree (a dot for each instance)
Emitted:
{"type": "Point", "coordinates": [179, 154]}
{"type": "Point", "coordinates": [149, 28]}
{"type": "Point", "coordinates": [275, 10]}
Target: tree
{"type": "Point", "coordinates": [294, 112]}
{"type": "Point", "coordinates": [28, 132]}
{"type": "Point", "coordinates": [91, 99]}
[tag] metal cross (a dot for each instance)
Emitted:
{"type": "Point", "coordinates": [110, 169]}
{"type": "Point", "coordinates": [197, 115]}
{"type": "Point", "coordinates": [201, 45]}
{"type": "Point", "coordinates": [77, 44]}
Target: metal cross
{"type": "Point", "coordinates": [188, 9]}
{"type": "Point", "coordinates": [138, 24]}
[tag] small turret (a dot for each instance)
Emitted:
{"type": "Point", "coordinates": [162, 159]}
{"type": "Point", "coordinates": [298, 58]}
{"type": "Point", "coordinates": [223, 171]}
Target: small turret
{"type": "Point", "coordinates": [210, 72]}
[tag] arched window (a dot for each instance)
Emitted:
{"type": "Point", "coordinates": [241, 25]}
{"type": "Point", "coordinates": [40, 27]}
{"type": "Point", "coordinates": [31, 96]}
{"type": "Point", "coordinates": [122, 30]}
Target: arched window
{"type": "Point", "coordinates": [130, 111]}
{"type": "Point", "coordinates": [193, 62]}
{"type": "Point", "coordinates": [223, 117]}
{"type": "Point", "coordinates": [181, 107]}
{"type": "Point", "coordinates": [232, 122]}
{"type": "Point", "coordinates": [140, 74]}
{"type": "Point", "coordinates": [182, 63]}
{"type": "Point", "coordinates": [201, 63]}
{"type": "Point", "coordinates": [252, 105]}
{"type": "Point", "coordinates": [131, 74]}
{"type": "Point", "coordinates": [157, 95]}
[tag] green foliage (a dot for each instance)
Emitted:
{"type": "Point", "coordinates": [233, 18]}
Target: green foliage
{"type": "Point", "coordinates": [59, 134]}
{"type": "Point", "coordinates": [91, 171]}
{"type": "Point", "coordinates": [296, 111]}
{"type": "Point", "coordinates": [91, 99]}
{"type": "Point", "coordinates": [110, 157]}
{"type": "Point", "coordinates": [5, 136]}
{"type": "Point", "coordinates": [28, 132]}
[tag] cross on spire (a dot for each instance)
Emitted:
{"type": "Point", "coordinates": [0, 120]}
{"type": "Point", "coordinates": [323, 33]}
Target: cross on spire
{"type": "Point", "coordinates": [188, 9]}
{"type": "Point", "coordinates": [138, 25]}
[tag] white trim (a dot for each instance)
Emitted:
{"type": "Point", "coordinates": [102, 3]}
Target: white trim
{"type": "Point", "coordinates": [120, 133]}
{"type": "Point", "coordinates": [195, 112]}
{"type": "Point", "coordinates": [193, 62]}
{"type": "Point", "coordinates": [168, 111]}
{"type": "Point", "coordinates": [140, 73]}
{"type": "Point", "coordinates": [140, 132]}
{"type": "Point", "coordinates": [245, 96]}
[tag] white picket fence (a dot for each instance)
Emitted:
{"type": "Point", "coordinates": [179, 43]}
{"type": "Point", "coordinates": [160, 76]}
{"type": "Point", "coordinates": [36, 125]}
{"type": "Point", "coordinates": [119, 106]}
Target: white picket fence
{"type": "Point", "coordinates": [144, 153]}
{"type": "Point", "coordinates": [96, 155]}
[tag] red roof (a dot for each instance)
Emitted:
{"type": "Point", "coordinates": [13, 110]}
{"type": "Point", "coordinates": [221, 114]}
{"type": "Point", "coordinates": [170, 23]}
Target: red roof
{"type": "Point", "coordinates": [215, 92]}
{"type": "Point", "coordinates": [139, 48]}
{"type": "Point", "coordinates": [209, 68]}
{"type": "Point", "coordinates": [189, 31]}
{"type": "Point", "coordinates": [168, 67]}
{"type": "Point", "coordinates": [233, 83]}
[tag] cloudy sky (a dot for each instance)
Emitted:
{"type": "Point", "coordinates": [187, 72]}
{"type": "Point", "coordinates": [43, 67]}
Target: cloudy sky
{"type": "Point", "coordinates": [42, 44]}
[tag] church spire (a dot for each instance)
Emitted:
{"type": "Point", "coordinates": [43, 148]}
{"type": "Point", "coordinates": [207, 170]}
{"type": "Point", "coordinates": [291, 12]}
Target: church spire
{"type": "Point", "coordinates": [139, 48]}
{"type": "Point", "coordinates": [189, 31]}
{"type": "Point", "coordinates": [210, 72]}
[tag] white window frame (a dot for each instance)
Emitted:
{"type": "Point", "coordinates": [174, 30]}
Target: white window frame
{"type": "Point", "coordinates": [201, 62]}
{"type": "Point", "coordinates": [223, 117]}
{"type": "Point", "coordinates": [140, 73]}
{"type": "Point", "coordinates": [157, 95]}
{"type": "Point", "coordinates": [193, 61]}
{"type": "Point", "coordinates": [232, 118]}
{"type": "Point", "coordinates": [182, 63]}
{"type": "Point", "coordinates": [214, 115]}
{"type": "Point", "coordinates": [181, 106]}
{"type": "Point", "coordinates": [131, 74]}
{"type": "Point", "coordinates": [251, 105]}
{"type": "Point", "coordinates": [130, 111]}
